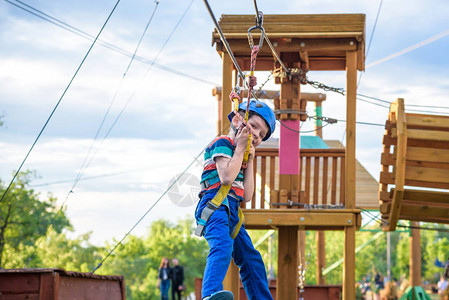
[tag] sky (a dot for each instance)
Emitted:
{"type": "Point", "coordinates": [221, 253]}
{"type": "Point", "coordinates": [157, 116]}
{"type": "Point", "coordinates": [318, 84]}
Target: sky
{"type": "Point", "coordinates": [166, 120]}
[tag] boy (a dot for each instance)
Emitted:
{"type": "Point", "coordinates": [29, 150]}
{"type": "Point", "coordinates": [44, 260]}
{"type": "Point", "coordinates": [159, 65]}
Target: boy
{"type": "Point", "coordinates": [223, 166]}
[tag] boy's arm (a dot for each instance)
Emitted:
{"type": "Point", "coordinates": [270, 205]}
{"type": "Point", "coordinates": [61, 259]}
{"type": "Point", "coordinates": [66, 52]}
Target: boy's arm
{"type": "Point", "coordinates": [229, 168]}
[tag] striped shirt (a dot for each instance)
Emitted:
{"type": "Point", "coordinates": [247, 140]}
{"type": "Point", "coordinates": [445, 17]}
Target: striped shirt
{"type": "Point", "coordinates": [222, 146]}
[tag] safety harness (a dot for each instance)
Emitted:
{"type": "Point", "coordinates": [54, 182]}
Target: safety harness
{"type": "Point", "coordinates": [219, 198]}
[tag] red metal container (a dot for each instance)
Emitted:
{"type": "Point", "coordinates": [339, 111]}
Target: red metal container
{"type": "Point", "coordinates": [58, 284]}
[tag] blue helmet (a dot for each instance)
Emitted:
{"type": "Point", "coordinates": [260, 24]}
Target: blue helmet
{"type": "Point", "coordinates": [262, 110]}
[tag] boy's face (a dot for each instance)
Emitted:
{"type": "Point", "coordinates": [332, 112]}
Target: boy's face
{"type": "Point", "coordinates": [257, 126]}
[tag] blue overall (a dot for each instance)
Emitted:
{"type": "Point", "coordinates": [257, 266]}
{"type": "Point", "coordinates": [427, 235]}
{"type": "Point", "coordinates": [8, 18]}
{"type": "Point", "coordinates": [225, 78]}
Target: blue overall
{"type": "Point", "coordinates": [223, 248]}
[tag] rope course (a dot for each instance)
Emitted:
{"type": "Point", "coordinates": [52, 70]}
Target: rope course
{"type": "Point", "coordinates": [59, 101]}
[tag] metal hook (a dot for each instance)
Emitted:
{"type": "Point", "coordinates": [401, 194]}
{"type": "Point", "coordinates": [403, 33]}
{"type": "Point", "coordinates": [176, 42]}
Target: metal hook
{"type": "Point", "coordinates": [250, 37]}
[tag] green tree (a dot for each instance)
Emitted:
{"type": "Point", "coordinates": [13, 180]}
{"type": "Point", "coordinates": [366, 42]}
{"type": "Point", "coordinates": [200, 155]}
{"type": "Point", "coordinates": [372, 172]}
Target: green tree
{"type": "Point", "coordinates": [24, 218]}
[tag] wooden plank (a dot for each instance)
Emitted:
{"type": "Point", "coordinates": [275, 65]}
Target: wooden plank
{"type": "Point", "coordinates": [428, 154]}
{"type": "Point", "coordinates": [427, 121]}
{"type": "Point", "coordinates": [316, 178]}
{"type": "Point", "coordinates": [321, 256]}
{"type": "Point", "coordinates": [325, 176]}
{"type": "Point", "coordinates": [263, 174]}
{"type": "Point", "coordinates": [422, 134]}
{"type": "Point", "coordinates": [287, 263]}
{"type": "Point", "coordinates": [278, 217]}
{"type": "Point", "coordinates": [272, 173]}
{"type": "Point", "coordinates": [430, 196]}
{"type": "Point", "coordinates": [400, 168]}
{"type": "Point", "coordinates": [342, 182]}
{"type": "Point", "coordinates": [388, 178]}
{"type": "Point", "coordinates": [334, 181]}
{"type": "Point", "coordinates": [415, 255]}
{"type": "Point", "coordinates": [349, 264]}
{"type": "Point", "coordinates": [427, 174]}
{"type": "Point", "coordinates": [418, 211]}
{"type": "Point", "coordinates": [307, 179]}
{"type": "Point", "coordinates": [350, 161]}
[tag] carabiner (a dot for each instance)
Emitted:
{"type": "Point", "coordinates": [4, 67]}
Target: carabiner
{"type": "Point", "coordinates": [259, 25]}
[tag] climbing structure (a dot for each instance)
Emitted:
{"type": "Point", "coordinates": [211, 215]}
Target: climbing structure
{"type": "Point", "coordinates": [303, 43]}
{"type": "Point", "coordinates": [414, 181]}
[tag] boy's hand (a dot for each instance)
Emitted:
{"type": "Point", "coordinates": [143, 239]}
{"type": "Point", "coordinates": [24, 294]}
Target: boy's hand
{"type": "Point", "coordinates": [241, 139]}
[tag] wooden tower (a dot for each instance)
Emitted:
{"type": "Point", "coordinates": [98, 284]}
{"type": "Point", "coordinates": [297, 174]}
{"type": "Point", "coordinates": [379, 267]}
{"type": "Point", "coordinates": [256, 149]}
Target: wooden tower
{"type": "Point", "coordinates": [317, 43]}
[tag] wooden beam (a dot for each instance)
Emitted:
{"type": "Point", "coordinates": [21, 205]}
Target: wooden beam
{"type": "Point", "coordinates": [295, 217]}
{"type": "Point", "coordinates": [415, 256]}
{"type": "Point", "coordinates": [350, 172]}
{"type": "Point", "coordinates": [350, 160]}
{"type": "Point", "coordinates": [349, 264]}
{"type": "Point", "coordinates": [321, 257]}
{"type": "Point", "coordinates": [241, 47]}
{"type": "Point", "coordinates": [287, 280]}
{"type": "Point", "coordinates": [401, 150]}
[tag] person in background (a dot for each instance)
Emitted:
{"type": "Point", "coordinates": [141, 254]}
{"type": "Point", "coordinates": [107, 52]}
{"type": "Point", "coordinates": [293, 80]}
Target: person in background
{"type": "Point", "coordinates": [177, 279]}
{"type": "Point", "coordinates": [442, 287]}
{"type": "Point", "coordinates": [163, 280]}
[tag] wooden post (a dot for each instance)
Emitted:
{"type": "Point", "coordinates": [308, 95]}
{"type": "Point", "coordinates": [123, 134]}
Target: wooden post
{"type": "Point", "coordinates": [350, 165]}
{"type": "Point", "coordinates": [225, 103]}
{"type": "Point", "coordinates": [287, 280]}
{"type": "Point", "coordinates": [320, 235]}
{"type": "Point", "coordinates": [321, 256]}
{"type": "Point", "coordinates": [232, 280]}
{"type": "Point", "coordinates": [288, 255]}
{"type": "Point", "coordinates": [415, 255]}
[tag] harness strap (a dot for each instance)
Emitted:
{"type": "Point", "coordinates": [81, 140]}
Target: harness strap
{"type": "Point", "coordinates": [237, 227]}
{"type": "Point", "coordinates": [212, 206]}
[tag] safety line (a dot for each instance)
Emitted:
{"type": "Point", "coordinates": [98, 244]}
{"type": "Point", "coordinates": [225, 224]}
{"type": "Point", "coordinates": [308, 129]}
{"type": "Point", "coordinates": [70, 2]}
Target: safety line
{"type": "Point", "coordinates": [409, 49]}
{"type": "Point", "coordinates": [371, 39]}
{"type": "Point", "coordinates": [83, 165]}
{"type": "Point", "coordinates": [228, 48]}
{"type": "Point", "coordinates": [59, 101]}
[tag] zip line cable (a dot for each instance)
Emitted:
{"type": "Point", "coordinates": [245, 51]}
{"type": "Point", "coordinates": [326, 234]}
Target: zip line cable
{"type": "Point", "coordinates": [74, 30]}
{"type": "Point", "coordinates": [59, 101]}
{"type": "Point", "coordinates": [119, 50]}
{"type": "Point", "coordinates": [226, 45]}
{"type": "Point", "coordinates": [409, 49]}
{"type": "Point", "coordinates": [141, 38]}
{"type": "Point", "coordinates": [83, 165]}
{"type": "Point", "coordinates": [371, 39]}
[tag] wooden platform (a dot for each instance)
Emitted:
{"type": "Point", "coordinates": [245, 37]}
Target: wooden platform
{"type": "Point", "coordinates": [58, 284]}
{"type": "Point", "coordinates": [314, 219]}
{"type": "Point", "coordinates": [321, 40]}
{"type": "Point", "coordinates": [414, 181]}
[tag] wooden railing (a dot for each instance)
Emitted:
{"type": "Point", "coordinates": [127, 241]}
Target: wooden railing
{"type": "Point", "coordinates": [320, 181]}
